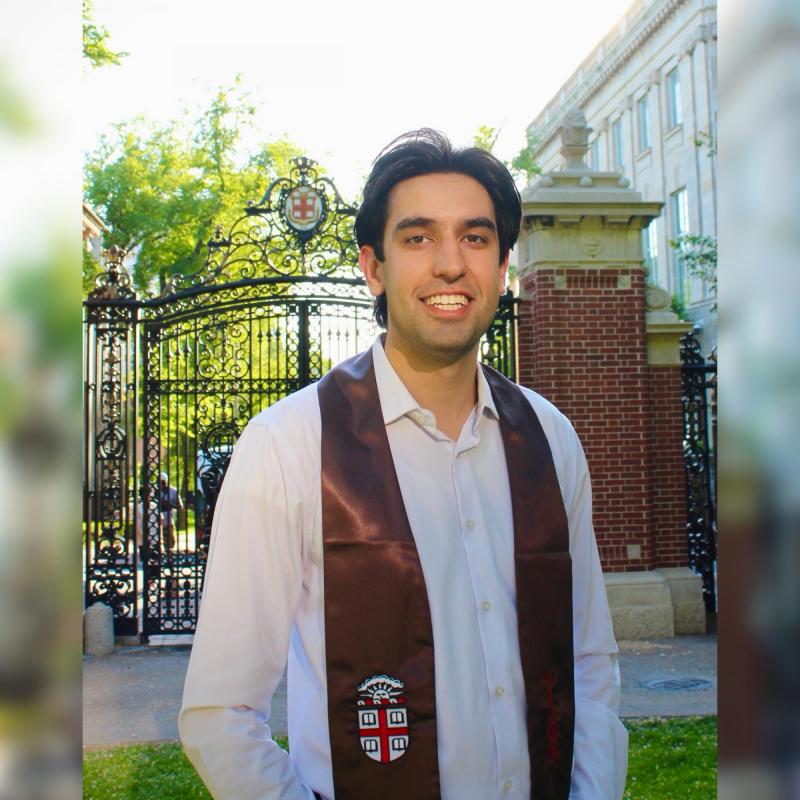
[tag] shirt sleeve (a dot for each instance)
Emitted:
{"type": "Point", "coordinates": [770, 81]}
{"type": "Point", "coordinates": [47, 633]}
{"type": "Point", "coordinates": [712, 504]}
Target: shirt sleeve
{"type": "Point", "coordinates": [252, 588]}
{"type": "Point", "coordinates": [601, 741]}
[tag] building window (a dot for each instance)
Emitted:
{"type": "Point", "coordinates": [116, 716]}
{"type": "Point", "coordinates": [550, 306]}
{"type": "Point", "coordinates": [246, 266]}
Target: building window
{"type": "Point", "coordinates": [643, 112]}
{"type": "Point", "coordinates": [674, 113]}
{"type": "Point", "coordinates": [616, 138]}
{"type": "Point", "coordinates": [679, 211]}
{"type": "Point", "coordinates": [594, 155]}
{"type": "Point", "coordinates": [650, 248]}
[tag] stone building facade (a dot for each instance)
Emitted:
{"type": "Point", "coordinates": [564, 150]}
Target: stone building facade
{"type": "Point", "coordinates": [649, 93]}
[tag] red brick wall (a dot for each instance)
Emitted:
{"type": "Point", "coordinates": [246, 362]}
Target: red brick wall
{"type": "Point", "coordinates": [669, 480]}
{"type": "Point", "coordinates": [584, 348]}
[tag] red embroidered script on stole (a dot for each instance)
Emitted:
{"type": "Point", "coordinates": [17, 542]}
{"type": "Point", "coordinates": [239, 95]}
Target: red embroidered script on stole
{"type": "Point", "coordinates": [378, 635]}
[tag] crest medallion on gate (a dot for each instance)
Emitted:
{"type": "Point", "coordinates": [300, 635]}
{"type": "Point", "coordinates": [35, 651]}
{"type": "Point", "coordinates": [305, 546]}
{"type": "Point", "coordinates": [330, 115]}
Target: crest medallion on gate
{"type": "Point", "coordinates": [382, 718]}
{"type": "Point", "coordinates": [303, 208]}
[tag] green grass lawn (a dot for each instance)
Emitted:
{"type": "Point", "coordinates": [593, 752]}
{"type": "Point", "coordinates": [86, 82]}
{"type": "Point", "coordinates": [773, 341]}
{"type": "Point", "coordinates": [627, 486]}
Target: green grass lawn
{"type": "Point", "coordinates": [672, 759]}
{"type": "Point", "coordinates": [669, 759]}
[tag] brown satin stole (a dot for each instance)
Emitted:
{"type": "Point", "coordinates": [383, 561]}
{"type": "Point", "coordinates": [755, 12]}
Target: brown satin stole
{"type": "Point", "coordinates": [378, 635]}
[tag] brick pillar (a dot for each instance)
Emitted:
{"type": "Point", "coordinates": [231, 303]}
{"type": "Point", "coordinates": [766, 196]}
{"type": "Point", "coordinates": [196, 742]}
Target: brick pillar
{"type": "Point", "coordinates": [588, 343]}
{"type": "Point", "coordinates": [584, 348]}
{"type": "Point", "coordinates": [664, 332]}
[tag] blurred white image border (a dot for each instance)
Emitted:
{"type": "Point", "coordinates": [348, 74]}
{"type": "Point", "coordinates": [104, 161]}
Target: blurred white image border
{"type": "Point", "coordinates": [759, 407]}
{"type": "Point", "coordinates": [40, 401]}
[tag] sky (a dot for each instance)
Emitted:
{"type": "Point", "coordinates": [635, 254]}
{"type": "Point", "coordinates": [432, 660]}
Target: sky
{"type": "Point", "coordinates": [342, 79]}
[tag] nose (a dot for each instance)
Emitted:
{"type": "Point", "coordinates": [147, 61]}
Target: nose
{"type": "Point", "coordinates": [449, 263]}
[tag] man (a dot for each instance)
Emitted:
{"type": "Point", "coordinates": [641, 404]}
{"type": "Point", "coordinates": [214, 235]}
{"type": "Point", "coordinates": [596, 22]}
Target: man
{"type": "Point", "coordinates": [415, 532]}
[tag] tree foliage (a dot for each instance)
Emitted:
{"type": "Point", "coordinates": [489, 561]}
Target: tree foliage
{"type": "Point", "coordinates": [485, 137]}
{"type": "Point", "coordinates": [95, 41]}
{"type": "Point", "coordinates": [523, 166]}
{"type": "Point", "coordinates": [90, 270]}
{"type": "Point", "coordinates": [161, 189]}
{"type": "Point", "coordinates": [699, 255]}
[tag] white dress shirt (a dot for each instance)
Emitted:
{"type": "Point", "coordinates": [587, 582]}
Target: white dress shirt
{"type": "Point", "coordinates": [263, 601]}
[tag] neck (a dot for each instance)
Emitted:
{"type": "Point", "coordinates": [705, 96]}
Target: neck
{"type": "Point", "coordinates": [446, 387]}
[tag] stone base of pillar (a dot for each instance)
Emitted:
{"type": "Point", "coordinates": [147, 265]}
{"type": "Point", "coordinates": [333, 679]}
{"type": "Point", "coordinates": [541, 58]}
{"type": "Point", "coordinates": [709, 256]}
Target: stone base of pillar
{"type": "Point", "coordinates": [657, 603]}
{"type": "Point", "coordinates": [686, 589]}
{"type": "Point", "coordinates": [98, 630]}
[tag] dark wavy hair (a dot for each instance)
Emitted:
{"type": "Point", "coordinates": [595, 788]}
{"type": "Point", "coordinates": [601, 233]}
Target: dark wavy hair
{"type": "Point", "coordinates": [424, 152]}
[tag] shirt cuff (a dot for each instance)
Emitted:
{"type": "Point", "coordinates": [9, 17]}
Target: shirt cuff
{"type": "Point", "coordinates": [601, 753]}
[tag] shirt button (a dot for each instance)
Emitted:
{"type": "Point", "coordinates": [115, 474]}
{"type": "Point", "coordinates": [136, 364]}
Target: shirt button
{"type": "Point", "coordinates": [499, 691]}
{"type": "Point", "coordinates": [470, 523]}
{"type": "Point", "coordinates": [508, 785]}
{"type": "Point", "coordinates": [486, 605]}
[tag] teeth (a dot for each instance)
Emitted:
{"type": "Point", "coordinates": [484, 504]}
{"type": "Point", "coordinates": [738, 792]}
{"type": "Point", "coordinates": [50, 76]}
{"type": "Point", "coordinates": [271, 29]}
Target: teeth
{"type": "Point", "coordinates": [446, 300]}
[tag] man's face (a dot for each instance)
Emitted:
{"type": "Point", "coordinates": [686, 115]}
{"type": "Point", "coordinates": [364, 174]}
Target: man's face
{"type": "Point", "coordinates": [441, 271]}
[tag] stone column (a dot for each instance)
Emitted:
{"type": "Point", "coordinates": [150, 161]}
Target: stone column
{"type": "Point", "coordinates": [583, 344]}
{"type": "Point", "coordinates": [664, 332]}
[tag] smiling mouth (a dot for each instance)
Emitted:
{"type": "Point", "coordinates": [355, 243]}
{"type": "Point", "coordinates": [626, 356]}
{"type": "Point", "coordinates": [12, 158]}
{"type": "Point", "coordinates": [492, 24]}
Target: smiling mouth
{"type": "Point", "coordinates": [446, 302]}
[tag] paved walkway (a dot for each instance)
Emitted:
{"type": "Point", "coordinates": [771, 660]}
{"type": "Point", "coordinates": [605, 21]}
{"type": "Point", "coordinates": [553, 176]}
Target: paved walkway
{"type": "Point", "coordinates": [134, 694]}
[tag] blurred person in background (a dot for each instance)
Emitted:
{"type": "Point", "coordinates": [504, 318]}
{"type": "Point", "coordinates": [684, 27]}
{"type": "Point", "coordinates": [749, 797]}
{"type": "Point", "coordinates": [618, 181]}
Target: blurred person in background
{"type": "Point", "coordinates": [169, 501]}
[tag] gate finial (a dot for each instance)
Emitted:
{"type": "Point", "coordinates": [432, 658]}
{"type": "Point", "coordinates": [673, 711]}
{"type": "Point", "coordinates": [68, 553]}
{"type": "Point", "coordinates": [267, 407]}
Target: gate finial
{"type": "Point", "coordinates": [115, 283]}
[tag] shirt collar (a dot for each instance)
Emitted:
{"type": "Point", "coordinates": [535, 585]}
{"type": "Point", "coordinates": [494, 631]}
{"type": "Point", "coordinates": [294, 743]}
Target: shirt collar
{"type": "Point", "coordinates": [396, 401]}
{"type": "Point", "coordinates": [485, 399]}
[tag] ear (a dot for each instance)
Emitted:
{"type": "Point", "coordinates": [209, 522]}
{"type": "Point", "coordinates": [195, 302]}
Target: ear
{"type": "Point", "coordinates": [372, 269]}
{"type": "Point", "coordinates": [502, 286]}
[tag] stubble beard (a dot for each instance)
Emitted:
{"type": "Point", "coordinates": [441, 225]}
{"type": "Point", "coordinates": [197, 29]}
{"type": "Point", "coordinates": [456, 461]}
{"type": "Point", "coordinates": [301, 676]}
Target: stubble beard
{"type": "Point", "coordinates": [440, 344]}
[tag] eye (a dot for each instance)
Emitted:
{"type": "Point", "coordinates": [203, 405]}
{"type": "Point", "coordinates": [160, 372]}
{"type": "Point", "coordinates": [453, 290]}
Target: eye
{"type": "Point", "coordinates": [417, 238]}
{"type": "Point", "coordinates": [475, 238]}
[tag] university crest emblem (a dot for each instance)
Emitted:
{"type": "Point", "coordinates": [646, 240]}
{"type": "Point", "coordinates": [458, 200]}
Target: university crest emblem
{"type": "Point", "coordinates": [382, 718]}
{"type": "Point", "coordinates": [303, 208]}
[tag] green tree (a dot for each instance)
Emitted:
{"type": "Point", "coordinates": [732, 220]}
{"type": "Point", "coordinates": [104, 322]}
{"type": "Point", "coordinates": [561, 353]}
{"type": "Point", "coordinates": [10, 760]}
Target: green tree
{"type": "Point", "coordinates": [91, 269]}
{"type": "Point", "coordinates": [486, 136]}
{"type": "Point", "coordinates": [523, 165]}
{"type": "Point", "coordinates": [161, 189]}
{"type": "Point", "coordinates": [699, 256]}
{"type": "Point", "coordinates": [95, 41]}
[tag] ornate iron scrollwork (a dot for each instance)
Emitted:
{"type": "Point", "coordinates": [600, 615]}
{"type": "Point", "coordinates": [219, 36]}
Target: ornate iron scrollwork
{"type": "Point", "coordinates": [301, 227]}
{"type": "Point", "coordinates": [108, 519]}
{"type": "Point", "coordinates": [278, 301]}
{"type": "Point", "coordinates": [213, 456]}
{"type": "Point", "coordinates": [499, 346]}
{"type": "Point", "coordinates": [698, 379]}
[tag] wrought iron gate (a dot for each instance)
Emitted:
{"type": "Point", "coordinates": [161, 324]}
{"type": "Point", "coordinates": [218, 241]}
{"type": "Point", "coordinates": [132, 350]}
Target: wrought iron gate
{"type": "Point", "coordinates": [172, 380]}
{"type": "Point", "coordinates": [699, 385]}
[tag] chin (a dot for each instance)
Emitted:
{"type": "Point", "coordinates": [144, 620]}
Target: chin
{"type": "Point", "coordinates": [452, 345]}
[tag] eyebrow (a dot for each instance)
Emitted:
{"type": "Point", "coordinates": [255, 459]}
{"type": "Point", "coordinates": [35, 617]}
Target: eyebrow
{"type": "Point", "coordinates": [414, 222]}
{"type": "Point", "coordinates": [427, 222]}
{"type": "Point", "coordinates": [480, 222]}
